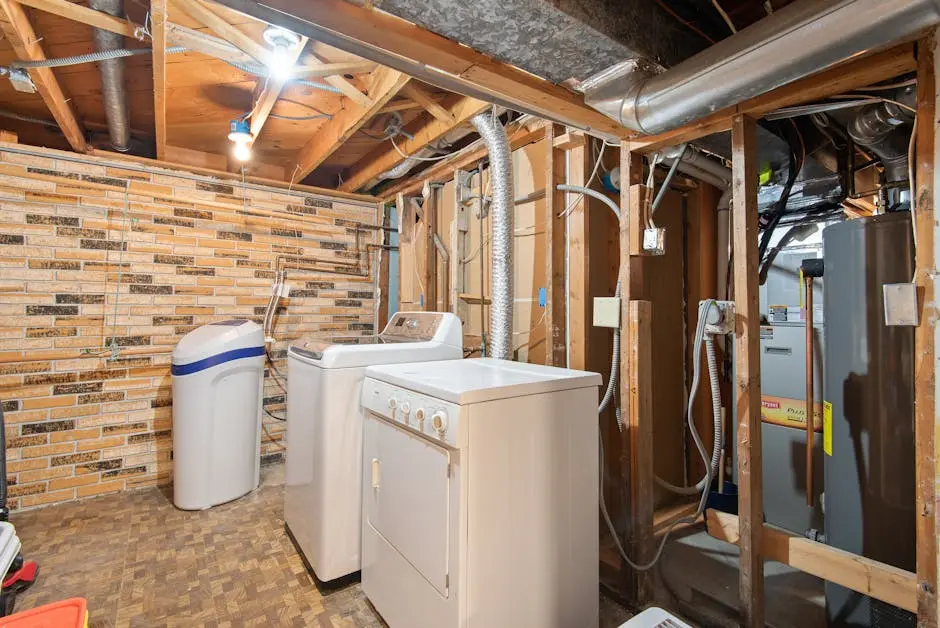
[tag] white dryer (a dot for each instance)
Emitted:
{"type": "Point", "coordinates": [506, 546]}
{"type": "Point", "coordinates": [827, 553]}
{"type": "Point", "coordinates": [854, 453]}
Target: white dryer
{"type": "Point", "coordinates": [479, 506]}
{"type": "Point", "coordinates": [322, 497]}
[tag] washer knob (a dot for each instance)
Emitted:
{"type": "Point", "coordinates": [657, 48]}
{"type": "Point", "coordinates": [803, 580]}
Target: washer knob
{"type": "Point", "coordinates": [439, 421]}
{"type": "Point", "coordinates": [419, 417]}
{"type": "Point", "coordinates": [392, 402]}
{"type": "Point", "coordinates": [405, 408]}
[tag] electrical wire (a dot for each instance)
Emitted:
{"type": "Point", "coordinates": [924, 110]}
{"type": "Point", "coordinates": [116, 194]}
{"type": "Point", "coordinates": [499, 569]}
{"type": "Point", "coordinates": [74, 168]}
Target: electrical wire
{"type": "Point", "coordinates": [92, 57]}
{"type": "Point", "coordinates": [415, 158]}
{"type": "Point", "coordinates": [889, 87]}
{"type": "Point", "coordinates": [724, 15]}
{"type": "Point", "coordinates": [910, 181]}
{"type": "Point", "coordinates": [874, 99]}
{"type": "Point", "coordinates": [599, 156]}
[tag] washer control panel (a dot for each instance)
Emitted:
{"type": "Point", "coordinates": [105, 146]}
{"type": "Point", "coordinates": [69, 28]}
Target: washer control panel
{"type": "Point", "coordinates": [435, 419]}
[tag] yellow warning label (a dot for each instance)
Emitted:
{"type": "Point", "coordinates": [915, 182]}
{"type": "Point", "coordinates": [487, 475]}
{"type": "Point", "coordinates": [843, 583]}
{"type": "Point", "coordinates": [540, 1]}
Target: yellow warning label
{"type": "Point", "coordinates": [827, 428]}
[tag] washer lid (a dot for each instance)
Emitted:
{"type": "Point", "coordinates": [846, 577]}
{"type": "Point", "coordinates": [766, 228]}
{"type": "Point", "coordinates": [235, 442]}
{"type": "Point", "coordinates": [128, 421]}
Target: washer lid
{"type": "Point", "coordinates": [218, 337]}
{"type": "Point", "coordinates": [481, 379]}
{"type": "Point", "coordinates": [366, 350]}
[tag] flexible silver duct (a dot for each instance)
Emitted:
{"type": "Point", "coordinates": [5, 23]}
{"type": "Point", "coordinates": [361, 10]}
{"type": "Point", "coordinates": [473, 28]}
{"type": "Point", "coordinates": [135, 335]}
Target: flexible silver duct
{"type": "Point", "coordinates": [112, 76]}
{"type": "Point", "coordinates": [501, 233]}
{"type": "Point", "coordinates": [794, 42]}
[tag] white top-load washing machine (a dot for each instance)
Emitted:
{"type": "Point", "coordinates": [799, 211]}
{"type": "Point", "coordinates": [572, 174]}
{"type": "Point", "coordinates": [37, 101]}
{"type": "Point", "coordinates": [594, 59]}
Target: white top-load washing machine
{"type": "Point", "coordinates": [324, 430]}
{"type": "Point", "coordinates": [479, 506]}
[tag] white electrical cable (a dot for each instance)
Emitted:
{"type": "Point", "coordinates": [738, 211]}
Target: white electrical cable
{"type": "Point", "coordinates": [910, 182]}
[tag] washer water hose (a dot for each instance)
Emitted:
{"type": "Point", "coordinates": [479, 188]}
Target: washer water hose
{"type": "Point", "coordinates": [269, 311]}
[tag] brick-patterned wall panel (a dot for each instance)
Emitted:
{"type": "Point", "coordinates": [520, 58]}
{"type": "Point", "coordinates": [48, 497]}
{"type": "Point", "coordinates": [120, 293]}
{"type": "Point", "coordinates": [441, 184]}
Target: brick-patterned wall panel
{"type": "Point", "coordinates": [94, 254]}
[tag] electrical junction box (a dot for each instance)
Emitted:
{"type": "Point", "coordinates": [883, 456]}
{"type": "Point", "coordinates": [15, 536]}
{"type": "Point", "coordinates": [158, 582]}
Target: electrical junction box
{"type": "Point", "coordinates": [900, 304]}
{"type": "Point", "coordinates": [654, 240]}
{"type": "Point", "coordinates": [607, 312]}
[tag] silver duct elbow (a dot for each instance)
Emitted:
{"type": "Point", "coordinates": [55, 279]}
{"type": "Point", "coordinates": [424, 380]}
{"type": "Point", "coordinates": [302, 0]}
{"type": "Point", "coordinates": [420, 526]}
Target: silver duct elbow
{"type": "Point", "coordinates": [501, 234]}
{"type": "Point", "coordinates": [113, 91]}
{"type": "Point", "coordinates": [794, 42]}
{"type": "Point", "coordinates": [884, 129]}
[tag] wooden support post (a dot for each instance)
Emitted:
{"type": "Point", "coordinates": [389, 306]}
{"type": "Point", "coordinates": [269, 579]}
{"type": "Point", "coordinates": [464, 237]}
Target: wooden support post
{"type": "Point", "coordinates": [579, 261]}
{"type": "Point", "coordinates": [926, 421]}
{"type": "Point", "coordinates": [384, 267]}
{"type": "Point", "coordinates": [158, 9]}
{"type": "Point", "coordinates": [459, 243]}
{"type": "Point", "coordinates": [430, 251]}
{"type": "Point", "coordinates": [634, 451]}
{"type": "Point", "coordinates": [747, 368]}
{"type": "Point", "coordinates": [406, 252]}
{"type": "Point", "coordinates": [555, 236]}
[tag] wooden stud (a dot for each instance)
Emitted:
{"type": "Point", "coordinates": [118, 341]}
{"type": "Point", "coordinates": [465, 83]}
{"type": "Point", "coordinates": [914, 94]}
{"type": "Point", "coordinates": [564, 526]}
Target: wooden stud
{"type": "Point", "coordinates": [430, 251]}
{"type": "Point", "coordinates": [206, 14]}
{"type": "Point", "coordinates": [364, 32]}
{"type": "Point", "coordinates": [569, 140]}
{"type": "Point", "coordinates": [426, 100]}
{"type": "Point", "coordinates": [384, 268]}
{"type": "Point", "coordinates": [158, 19]}
{"type": "Point", "coordinates": [20, 34]}
{"type": "Point", "coordinates": [926, 421]}
{"type": "Point", "coordinates": [579, 261]}
{"type": "Point", "coordinates": [747, 368]}
{"type": "Point", "coordinates": [267, 93]}
{"type": "Point", "coordinates": [383, 85]}
{"type": "Point", "coordinates": [864, 575]}
{"type": "Point", "coordinates": [640, 436]}
{"type": "Point", "coordinates": [366, 170]}
{"type": "Point", "coordinates": [555, 236]}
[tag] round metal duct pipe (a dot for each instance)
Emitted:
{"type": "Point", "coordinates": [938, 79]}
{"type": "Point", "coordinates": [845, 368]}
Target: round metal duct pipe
{"type": "Point", "coordinates": [794, 42]}
{"type": "Point", "coordinates": [113, 90]}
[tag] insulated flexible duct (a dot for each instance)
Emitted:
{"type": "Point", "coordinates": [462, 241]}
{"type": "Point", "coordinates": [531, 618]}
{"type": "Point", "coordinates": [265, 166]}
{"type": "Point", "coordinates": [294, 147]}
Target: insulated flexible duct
{"type": "Point", "coordinates": [502, 209]}
{"type": "Point", "coordinates": [113, 89]}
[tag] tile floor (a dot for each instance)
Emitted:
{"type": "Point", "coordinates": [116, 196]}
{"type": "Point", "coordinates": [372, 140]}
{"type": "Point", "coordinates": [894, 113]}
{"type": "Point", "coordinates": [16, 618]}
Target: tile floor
{"type": "Point", "coordinates": [140, 562]}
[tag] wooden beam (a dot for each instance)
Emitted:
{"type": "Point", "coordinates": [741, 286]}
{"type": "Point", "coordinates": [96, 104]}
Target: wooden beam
{"type": "Point", "coordinates": [747, 367]}
{"type": "Point", "coordinates": [633, 466]}
{"type": "Point", "coordinates": [430, 251]}
{"type": "Point", "coordinates": [569, 140]}
{"type": "Point", "coordinates": [926, 421]}
{"type": "Point", "coordinates": [158, 19]}
{"type": "Point", "coordinates": [362, 173]}
{"type": "Point", "coordinates": [864, 575]}
{"type": "Point", "coordinates": [22, 37]}
{"type": "Point", "coordinates": [267, 92]}
{"type": "Point", "coordinates": [519, 135]}
{"type": "Point", "coordinates": [384, 83]}
{"type": "Point", "coordinates": [640, 427]}
{"type": "Point", "coordinates": [207, 15]}
{"type": "Point", "coordinates": [579, 260]}
{"type": "Point", "coordinates": [206, 44]}
{"type": "Point", "coordinates": [840, 79]}
{"type": "Point", "coordinates": [321, 70]}
{"type": "Point", "coordinates": [349, 90]}
{"type": "Point", "coordinates": [392, 41]}
{"type": "Point", "coordinates": [555, 237]}
{"type": "Point", "coordinates": [426, 100]}
{"type": "Point", "coordinates": [81, 13]}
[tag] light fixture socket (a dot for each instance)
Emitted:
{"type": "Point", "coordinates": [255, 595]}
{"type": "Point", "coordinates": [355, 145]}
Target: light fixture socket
{"type": "Point", "coordinates": [278, 37]}
{"type": "Point", "coordinates": [240, 131]}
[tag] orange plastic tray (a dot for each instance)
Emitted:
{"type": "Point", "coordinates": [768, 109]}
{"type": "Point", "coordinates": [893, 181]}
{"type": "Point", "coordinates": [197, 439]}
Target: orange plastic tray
{"type": "Point", "coordinates": [72, 613]}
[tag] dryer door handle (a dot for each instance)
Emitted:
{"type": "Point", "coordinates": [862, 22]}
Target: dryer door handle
{"type": "Point", "coordinates": [376, 473]}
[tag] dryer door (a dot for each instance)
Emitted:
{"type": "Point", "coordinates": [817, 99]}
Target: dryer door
{"type": "Point", "coordinates": [407, 497]}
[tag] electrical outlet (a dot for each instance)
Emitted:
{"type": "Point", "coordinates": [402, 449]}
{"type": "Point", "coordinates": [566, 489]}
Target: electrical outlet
{"type": "Point", "coordinates": [654, 240]}
{"type": "Point", "coordinates": [607, 312]}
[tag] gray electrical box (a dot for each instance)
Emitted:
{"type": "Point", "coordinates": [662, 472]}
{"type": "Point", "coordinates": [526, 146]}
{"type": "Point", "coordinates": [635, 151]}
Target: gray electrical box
{"type": "Point", "coordinates": [869, 384]}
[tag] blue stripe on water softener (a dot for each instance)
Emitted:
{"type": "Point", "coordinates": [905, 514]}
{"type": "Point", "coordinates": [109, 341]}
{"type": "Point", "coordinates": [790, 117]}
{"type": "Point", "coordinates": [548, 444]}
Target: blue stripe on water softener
{"type": "Point", "coordinates": [215, 360]}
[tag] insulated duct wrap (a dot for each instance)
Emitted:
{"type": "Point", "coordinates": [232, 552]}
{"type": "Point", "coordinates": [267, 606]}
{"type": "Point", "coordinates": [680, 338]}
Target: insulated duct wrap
{"type": "Point", "coordinates": [112, 76]}
{"type": "Point", "coordinates": [501, 233]}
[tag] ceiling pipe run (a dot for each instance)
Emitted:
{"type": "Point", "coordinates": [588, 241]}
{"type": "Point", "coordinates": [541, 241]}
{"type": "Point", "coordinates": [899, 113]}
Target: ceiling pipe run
{"type": "Point", "coordinates": [792, 43]}
{"type": "Point", "coordinates": [113, 89]}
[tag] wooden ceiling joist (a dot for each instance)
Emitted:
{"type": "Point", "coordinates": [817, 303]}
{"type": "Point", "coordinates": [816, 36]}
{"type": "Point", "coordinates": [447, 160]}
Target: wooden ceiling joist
{"type": "Point", "coordinates": [348, 89]}
{"type": "Point", "coordinates": [365, 171]}
{"type": "Point", "coordinates": [267, 93]}
{"type": "Point", "coordinates": [158, 34]}
{"type": "Point", "coordinates": [430, 57]}
{"type": "Point", "coordinates": [384, 83]}
{"type": "Point", "coordinates": [321, 70]}
{"type": "Point", "coordinates": [205, 14]}
{"type": "Point", "coordinates": [81, 13]}
{"type": "Point", "coordinates": [418, 94]}
{"type": "Point", "coordinates": [19, 32]}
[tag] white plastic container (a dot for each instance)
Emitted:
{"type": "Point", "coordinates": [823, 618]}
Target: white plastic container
{"type": "Point", "coordinates": [218, 372]}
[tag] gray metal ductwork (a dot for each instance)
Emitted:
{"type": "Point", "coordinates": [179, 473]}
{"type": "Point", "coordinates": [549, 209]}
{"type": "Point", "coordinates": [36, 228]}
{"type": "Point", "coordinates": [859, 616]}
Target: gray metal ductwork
{"type": "Point", "coordinates": [794, 42]}
{"type": "Point", "coordinates": [502, 208]}
{"type": "Point", "coordinates": [885, 129]}
{"type": "Point", "coordinates": [112, 76]}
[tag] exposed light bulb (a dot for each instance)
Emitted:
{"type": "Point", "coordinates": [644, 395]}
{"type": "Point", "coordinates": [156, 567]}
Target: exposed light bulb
{"type": "Point", "coordinates": [242, 151]}
{"type": "Point", "coordinates": [281, 63]}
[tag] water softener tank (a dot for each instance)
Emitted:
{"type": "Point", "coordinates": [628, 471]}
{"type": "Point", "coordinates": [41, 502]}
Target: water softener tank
{"type": "Point", "coordinates": [218, 372]}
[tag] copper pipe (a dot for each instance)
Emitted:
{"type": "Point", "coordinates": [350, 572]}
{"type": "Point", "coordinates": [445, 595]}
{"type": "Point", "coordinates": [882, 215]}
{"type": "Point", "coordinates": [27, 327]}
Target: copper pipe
{"type": "Point", "coordinates": [810, 414]}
